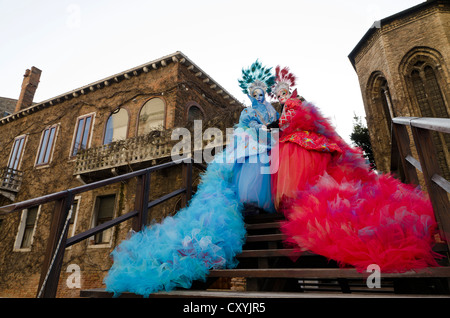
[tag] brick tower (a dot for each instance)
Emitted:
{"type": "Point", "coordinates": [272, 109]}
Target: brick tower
{"type": "Point", "coordinates": [402, 64]}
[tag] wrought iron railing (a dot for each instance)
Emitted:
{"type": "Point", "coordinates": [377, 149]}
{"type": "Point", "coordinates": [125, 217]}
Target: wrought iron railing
{"type": "Point", "coordinates": [123, 152]}
{"type": "Point", "coordinates": [10, 179]}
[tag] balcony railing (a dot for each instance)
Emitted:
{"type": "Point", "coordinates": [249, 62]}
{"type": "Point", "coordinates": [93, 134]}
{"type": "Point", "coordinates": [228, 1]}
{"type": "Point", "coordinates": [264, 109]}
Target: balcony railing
{"type": "Point", "coordinates": [138, 150]}
{"type": "Point", "coordinates": [124, 152]}
{"type": "Point", "coordinates": [10, 179]}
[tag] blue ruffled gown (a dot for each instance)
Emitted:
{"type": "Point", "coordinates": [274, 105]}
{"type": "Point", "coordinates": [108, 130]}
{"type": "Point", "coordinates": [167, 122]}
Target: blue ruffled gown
{"type": "Point", "coordinates": [251, 174]}
{"type": "Point", "coordinates": [208, 234]}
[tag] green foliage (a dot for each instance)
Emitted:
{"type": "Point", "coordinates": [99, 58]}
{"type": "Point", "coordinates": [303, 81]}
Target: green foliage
{"type": "Point", "coordinates": [360, 138]}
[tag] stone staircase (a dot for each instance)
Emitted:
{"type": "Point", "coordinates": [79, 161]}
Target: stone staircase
{"type": "Point", "coordinates": [267, 264]}
{"type": "Point", "coordinates": [269, 268]}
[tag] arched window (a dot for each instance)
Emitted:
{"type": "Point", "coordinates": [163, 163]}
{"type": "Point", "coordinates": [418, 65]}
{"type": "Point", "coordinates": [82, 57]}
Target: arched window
{"type": "Point", "coordinates": [380, 112]}
{"type": "Point", "coordinates": [431, 103]}
{"type": "Point", "coordinates": [435, 93]}
{"type": "Point", "coordinates": [386, 102]}
{"type": "Point", "coordinates": [428, 91]}
{"type": "Point", "coordinates": [151, 116]}
{"type": "Point", "coordinates": [194, 113]}
{"type": "Point", "coordinates": [116, 126]}
{"type": "Point", "coordinates": [381, 102]}
{"type": "Point", "coordinates": [423, 73]}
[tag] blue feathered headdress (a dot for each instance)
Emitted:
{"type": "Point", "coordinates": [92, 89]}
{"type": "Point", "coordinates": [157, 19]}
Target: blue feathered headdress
{"type": "Point", "coordinates": [257, 76]}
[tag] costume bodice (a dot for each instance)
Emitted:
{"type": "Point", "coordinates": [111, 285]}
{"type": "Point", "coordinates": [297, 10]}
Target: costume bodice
{"type": "Point", "coordinates": [257, 115]}
{"type": "Point", "coordinates": [300, 124]}
{"type": "Point", "coordinates": [247, 138]}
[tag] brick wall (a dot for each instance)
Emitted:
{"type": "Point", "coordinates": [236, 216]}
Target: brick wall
{"type": "Point", "coordinates": [177, 86]}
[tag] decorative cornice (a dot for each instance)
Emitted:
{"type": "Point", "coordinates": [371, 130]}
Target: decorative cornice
{"type": "Point", "coordinates": [176, 57]}
{"type": "Point", "coordinates": [393, 22]}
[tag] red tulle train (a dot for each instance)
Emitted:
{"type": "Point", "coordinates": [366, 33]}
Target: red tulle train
{"type": "Point", "coordinates": [356, 217]}
{"type": "Point", "coordinates": [337, 207]}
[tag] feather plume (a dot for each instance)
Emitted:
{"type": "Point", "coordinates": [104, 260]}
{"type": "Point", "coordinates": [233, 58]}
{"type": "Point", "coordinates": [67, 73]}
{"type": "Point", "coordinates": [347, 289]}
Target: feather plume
{"type": "Point", "coordinates": [259, 76]}
{"type": "Point", "coordinates": [283, 79]}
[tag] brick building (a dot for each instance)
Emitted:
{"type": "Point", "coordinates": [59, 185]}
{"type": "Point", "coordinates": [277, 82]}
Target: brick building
{"type": "Point", "coordinates": [402, 63]}
{"type": "Point", "coordinates": [118, 124]}
{"type": "Point", "coordinates": [7, 106]}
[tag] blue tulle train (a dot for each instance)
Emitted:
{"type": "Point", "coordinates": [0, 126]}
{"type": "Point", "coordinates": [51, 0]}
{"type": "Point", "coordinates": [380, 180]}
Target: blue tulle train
{"type": "Point", "coordinates": [203, 236]}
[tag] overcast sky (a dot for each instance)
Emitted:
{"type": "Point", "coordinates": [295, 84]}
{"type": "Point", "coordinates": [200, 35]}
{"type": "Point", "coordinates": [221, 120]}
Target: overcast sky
{"type": "Point", "coordinates": [75, 43]}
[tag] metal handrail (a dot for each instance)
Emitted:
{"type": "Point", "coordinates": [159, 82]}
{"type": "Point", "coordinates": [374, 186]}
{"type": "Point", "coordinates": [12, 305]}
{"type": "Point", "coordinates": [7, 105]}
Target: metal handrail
{"type": "Point", "coordinates": [429, 123]}
{"type": "Point", "coordinates": [438, 188]}
{"type": "Point", "coordinates": [80, 189]}
{"type": "Point", "coordinates": [63, 200]}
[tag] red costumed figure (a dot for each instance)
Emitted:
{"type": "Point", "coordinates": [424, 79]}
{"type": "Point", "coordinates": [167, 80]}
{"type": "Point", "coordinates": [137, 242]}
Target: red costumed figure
{"type": "Point", "coordinates": [335, 205]}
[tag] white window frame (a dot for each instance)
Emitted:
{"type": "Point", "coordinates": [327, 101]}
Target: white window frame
{"type": "Point", "coordinates": [52, 150]}
{"type": "Point", "coordinates": [21, 231]}
{"type": "Point", "coordinates": [75, 216]}
{"type": "Point", "coordinates": [91, 133]}
{"type": "Point", "coordinates": [20, 159]}
{"type": "Point", "coordinates": [91, 240]}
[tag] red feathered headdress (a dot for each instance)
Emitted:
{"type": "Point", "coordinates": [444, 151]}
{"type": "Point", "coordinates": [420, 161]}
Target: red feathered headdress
{"type": "Point", "coordinates": [284, 80]}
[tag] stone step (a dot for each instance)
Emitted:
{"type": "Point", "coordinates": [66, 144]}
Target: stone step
{"type": "Point", "coordinates": [101, 293]}
{"type": "Point", "coordinates": [265, 238]}
{"type": "Point", "coordinates": [262, 226]}
{"type": "Point", "coordinates": [325, 273]}
{"type": "Point", "coordinates": [273, 253]}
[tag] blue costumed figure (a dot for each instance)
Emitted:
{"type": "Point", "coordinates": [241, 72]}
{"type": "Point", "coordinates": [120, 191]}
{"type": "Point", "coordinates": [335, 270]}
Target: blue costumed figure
{"type": "Point", "coordinates": [254, 140]}
{"type": "Point", "coordinates": [210, 231]}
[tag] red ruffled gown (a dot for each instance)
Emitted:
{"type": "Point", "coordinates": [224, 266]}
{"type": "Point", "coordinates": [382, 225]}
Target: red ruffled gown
{"type": "Point", "coordinates": [337, 207]}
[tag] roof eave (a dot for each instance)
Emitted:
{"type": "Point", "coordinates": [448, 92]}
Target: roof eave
{"type": "Point", "coordinates": [377, 25]}
{"type": "Point", "coordinates": [176, 57]}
